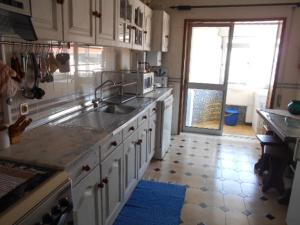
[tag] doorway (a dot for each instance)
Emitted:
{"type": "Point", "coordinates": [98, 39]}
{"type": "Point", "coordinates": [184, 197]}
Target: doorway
{"type": "Point", "coordinates": [230, 71]}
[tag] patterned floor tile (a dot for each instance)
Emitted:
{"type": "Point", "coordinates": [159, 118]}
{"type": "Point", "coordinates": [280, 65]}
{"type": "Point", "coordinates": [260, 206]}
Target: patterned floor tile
{"type": "Point", "coordinates": [222, 187]}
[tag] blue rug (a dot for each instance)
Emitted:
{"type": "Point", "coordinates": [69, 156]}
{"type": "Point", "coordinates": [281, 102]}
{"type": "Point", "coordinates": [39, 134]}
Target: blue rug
{"type": "Point", "coordinates": [153, 203]}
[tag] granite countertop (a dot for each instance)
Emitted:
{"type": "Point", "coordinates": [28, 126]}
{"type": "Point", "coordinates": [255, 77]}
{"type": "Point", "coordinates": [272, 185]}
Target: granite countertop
{"type": "Point", "coordinates": [61, 145]}
{"type": "Point", "coordinates": [286, 125]}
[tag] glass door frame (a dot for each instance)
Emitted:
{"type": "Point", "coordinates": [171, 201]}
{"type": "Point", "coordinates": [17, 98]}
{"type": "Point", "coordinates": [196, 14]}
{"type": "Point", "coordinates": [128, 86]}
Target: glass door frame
{"type": "Point", "coordinates": [205, 86]}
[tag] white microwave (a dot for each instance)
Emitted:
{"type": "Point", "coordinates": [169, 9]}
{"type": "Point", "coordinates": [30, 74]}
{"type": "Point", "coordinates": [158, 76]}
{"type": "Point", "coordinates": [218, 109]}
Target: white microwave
{"type": "Point", "coordinates": [145, 84]}
{"type": "Point", "coordinates": [16, 6]}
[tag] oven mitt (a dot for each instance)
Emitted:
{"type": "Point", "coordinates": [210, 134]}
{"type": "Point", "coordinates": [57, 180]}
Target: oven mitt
{"type": "Point", "coordinates": [52, 63]}
{"type": "Point", "coordinates": [63, 61]}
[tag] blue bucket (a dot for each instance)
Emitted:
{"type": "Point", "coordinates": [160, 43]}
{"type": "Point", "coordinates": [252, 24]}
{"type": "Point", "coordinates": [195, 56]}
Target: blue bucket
{"type": "Point", "coordinates": [231, 116]}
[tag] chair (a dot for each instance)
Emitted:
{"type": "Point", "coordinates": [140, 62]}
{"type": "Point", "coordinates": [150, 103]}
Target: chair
{"type": "Point", "coordinates": [265, 140]}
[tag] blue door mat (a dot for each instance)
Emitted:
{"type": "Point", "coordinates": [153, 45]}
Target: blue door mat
{"type": "Point", "coordinates": [153, 203]}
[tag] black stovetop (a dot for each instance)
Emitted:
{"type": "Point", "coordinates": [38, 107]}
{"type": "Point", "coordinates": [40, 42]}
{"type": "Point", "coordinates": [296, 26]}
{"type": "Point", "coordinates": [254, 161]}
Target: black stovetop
{"type": "Point", "coordinates": [18, 179]}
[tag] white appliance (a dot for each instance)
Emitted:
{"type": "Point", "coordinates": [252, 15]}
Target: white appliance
{"type": "Point", "coordinates": [145, 83]}
{"type": "Point", "coordinates": [293, 216]}
{"type": "Point", "coordinates": [15, 18]}
{"type": "Point", "coordinates": [164, 126]}
{"type": "Point", "coordinates": [17, 6]}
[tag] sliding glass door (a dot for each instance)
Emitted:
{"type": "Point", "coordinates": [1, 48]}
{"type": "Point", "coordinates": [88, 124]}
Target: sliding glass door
{"type": "Point", "coordinates": [208, 62]}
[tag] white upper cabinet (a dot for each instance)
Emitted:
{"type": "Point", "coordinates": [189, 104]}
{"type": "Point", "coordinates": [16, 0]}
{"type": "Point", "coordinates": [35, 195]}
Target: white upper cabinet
{"type": "Point", "coordinates": [125, 23]}
{"type": "Point", "coordinates": [160, 31]}
{"type": "Point", "coordinates": [138, 25]}
{"type": "Point", "coordinates": [47, 19]}
{"type": "Point", "coordinates": [147, 28]}
{"type": "Point", "coordinates": [106, 17]}
{"type": "Point", "coordinates": [79, 21]}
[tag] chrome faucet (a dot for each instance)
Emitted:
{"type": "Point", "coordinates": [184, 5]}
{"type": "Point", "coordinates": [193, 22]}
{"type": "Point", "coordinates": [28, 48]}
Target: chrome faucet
{"type": "Point", "coordinates": [95, 100]}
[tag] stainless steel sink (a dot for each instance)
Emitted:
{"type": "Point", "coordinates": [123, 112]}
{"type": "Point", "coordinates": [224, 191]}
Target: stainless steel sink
{"type": "Point", "coordinates": [117, 109]}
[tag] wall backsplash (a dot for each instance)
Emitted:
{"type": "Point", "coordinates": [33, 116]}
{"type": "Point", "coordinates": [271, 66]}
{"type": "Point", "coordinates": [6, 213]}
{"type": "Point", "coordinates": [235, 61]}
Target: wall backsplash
{"type": "Point", "coordinates": [75, 87]}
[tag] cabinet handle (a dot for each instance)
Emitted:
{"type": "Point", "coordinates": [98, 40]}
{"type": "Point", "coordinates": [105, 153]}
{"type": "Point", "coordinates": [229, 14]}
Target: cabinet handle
{"type": "Point", "coordinates": [154, 109]}
{"type": "Point", "coordinates": [167, 36]}
{"type": "Point", "coordinates": [86, 168]}
{"type": "Point", "coordinates": [144, 117]}
{"type": "Point", "coordinates": [114, 143]}
{"type": "Point", "coordinates": [139, 142]}
{"type": "Point", "coordinates": [60, 2]}
{"type": "Point", "coordinates": [150, 129]}
{"type": "Point", "coordinates": [105, 180]}
{"type": "Point", "coordinates": [131, 129]}
{"type": "Point", "coordinates": [101, 185]}
{"type": "Point", "coordinates": [96, 14]}
{"type": "Point", "coordinates": [145, 32]}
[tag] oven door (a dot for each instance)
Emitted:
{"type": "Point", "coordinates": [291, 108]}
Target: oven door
{"type": "Point", "coordinates": [55, 208]}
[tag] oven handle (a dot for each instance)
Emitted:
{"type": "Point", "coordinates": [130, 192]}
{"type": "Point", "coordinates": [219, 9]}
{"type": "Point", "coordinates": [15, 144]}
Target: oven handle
{"type": "Point", "coordinates": [64, 216]}
{"type": "Point", "coordinates": [62, 219]}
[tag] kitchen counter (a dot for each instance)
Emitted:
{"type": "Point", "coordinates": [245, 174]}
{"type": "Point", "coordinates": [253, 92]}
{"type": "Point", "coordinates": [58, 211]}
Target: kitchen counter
{"type": "Point", "coordinates": [61, 145]}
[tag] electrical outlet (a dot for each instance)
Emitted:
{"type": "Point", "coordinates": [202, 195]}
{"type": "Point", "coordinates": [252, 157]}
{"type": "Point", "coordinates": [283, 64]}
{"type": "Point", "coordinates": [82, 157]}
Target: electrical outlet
{"type": "Point", "coordinates": [24, 109]}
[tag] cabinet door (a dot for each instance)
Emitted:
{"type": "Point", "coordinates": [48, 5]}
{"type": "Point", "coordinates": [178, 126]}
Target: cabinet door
{"type": "Point", "coordinates": [138, 22]}
{"type": "Point", "coordinates": [166, 32]}
{"type": "Point", "coordinates": [142, 149]}
{"type": "Point", "coordinates": [79, 21]}
{"type": "Point", "coordinates": [47, 19]}
{"type": "Point", "coordinates": [125, 23]}
{"type": "Point", "coordinates": [147, 28]}
{"type": "Point", "coordinates": [112, 178]}
{"type": "Point", "coordinates": [84, 195]}
{"type": "Point", "coordinates": [130, 165]}
{"type": "Point", "coordinates": [151, 137]}
{"type": "Point", "coordinates": [106, 22]}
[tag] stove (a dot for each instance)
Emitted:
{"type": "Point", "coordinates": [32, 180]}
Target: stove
{"type": "Point", "coordinates": [32, 195]}
{"type": "Point", "coordinates": [17, 180]}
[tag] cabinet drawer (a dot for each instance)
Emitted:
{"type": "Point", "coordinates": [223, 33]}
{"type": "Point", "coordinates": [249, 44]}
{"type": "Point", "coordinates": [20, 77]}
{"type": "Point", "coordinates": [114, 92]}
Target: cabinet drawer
{"type": "Point", "coordinates": [153, 110]}
{"type": "Point", "coordinates": [143, 117]}
{"type": "Point", "coordinates": [84, 166]}
{"type": "Point", "coordinates": [111, 144]}
{"type": "Point", "coordinates": [127, 131]}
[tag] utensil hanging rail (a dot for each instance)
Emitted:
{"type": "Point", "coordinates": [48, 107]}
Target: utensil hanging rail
{"type": "Point", "coordinates": [42, 45]}
{"type": "Point", "coordinates": [190, 7]}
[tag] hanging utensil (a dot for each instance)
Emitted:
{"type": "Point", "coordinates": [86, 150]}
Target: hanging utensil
{"type": "Point", "coordinates": [38, 93]}
{"type": "Point", "coordinates": [16, 66]}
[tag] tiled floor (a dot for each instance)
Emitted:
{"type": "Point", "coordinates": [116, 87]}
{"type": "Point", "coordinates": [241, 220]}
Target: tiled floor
{"type": "Point", "coordinates": [240, 129]}
{"type": "Point", "coordinates": [222, 188]}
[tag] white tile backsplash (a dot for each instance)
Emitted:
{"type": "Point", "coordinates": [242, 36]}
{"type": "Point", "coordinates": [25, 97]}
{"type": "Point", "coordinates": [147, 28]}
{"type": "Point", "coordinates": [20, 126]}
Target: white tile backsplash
{"type": "Point", "coordinates": [86, 66]}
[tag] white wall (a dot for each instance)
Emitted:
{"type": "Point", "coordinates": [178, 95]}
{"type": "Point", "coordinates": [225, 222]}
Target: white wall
{"type": "Point", "coordinates": [289, 74]}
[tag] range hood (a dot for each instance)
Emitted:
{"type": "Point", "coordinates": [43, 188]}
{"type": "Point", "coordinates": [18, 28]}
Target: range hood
{"type": "Point", "coordinates": [12, 23]}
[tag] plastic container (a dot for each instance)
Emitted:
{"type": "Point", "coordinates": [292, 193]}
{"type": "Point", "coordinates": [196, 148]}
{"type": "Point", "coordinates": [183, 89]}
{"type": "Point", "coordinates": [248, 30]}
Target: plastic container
{"type": "Point", "coordinates": [231, 116]}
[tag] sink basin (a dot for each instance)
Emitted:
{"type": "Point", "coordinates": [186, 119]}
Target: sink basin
{"type": "Point", "coordinates": [117, 109]}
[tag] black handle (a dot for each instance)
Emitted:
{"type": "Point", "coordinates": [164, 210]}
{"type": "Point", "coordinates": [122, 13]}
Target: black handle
{"type": "Point", "coordinates": [36, 69]}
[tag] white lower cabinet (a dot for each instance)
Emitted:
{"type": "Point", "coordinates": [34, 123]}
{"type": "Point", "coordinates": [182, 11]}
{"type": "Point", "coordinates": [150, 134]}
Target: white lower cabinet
{"type": "Point", "coordinates": [99, 196]}
{"type": "Point", "coordinates": [130, 165]}
{"type": "Point", "coordinates": [142, 149]}
{"type": "Point", "coordinates": [112, 190]}
{"type": "Point", "coordinates": [151, 137]}
{"type": "Point", "coordinates": [86, 198]}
